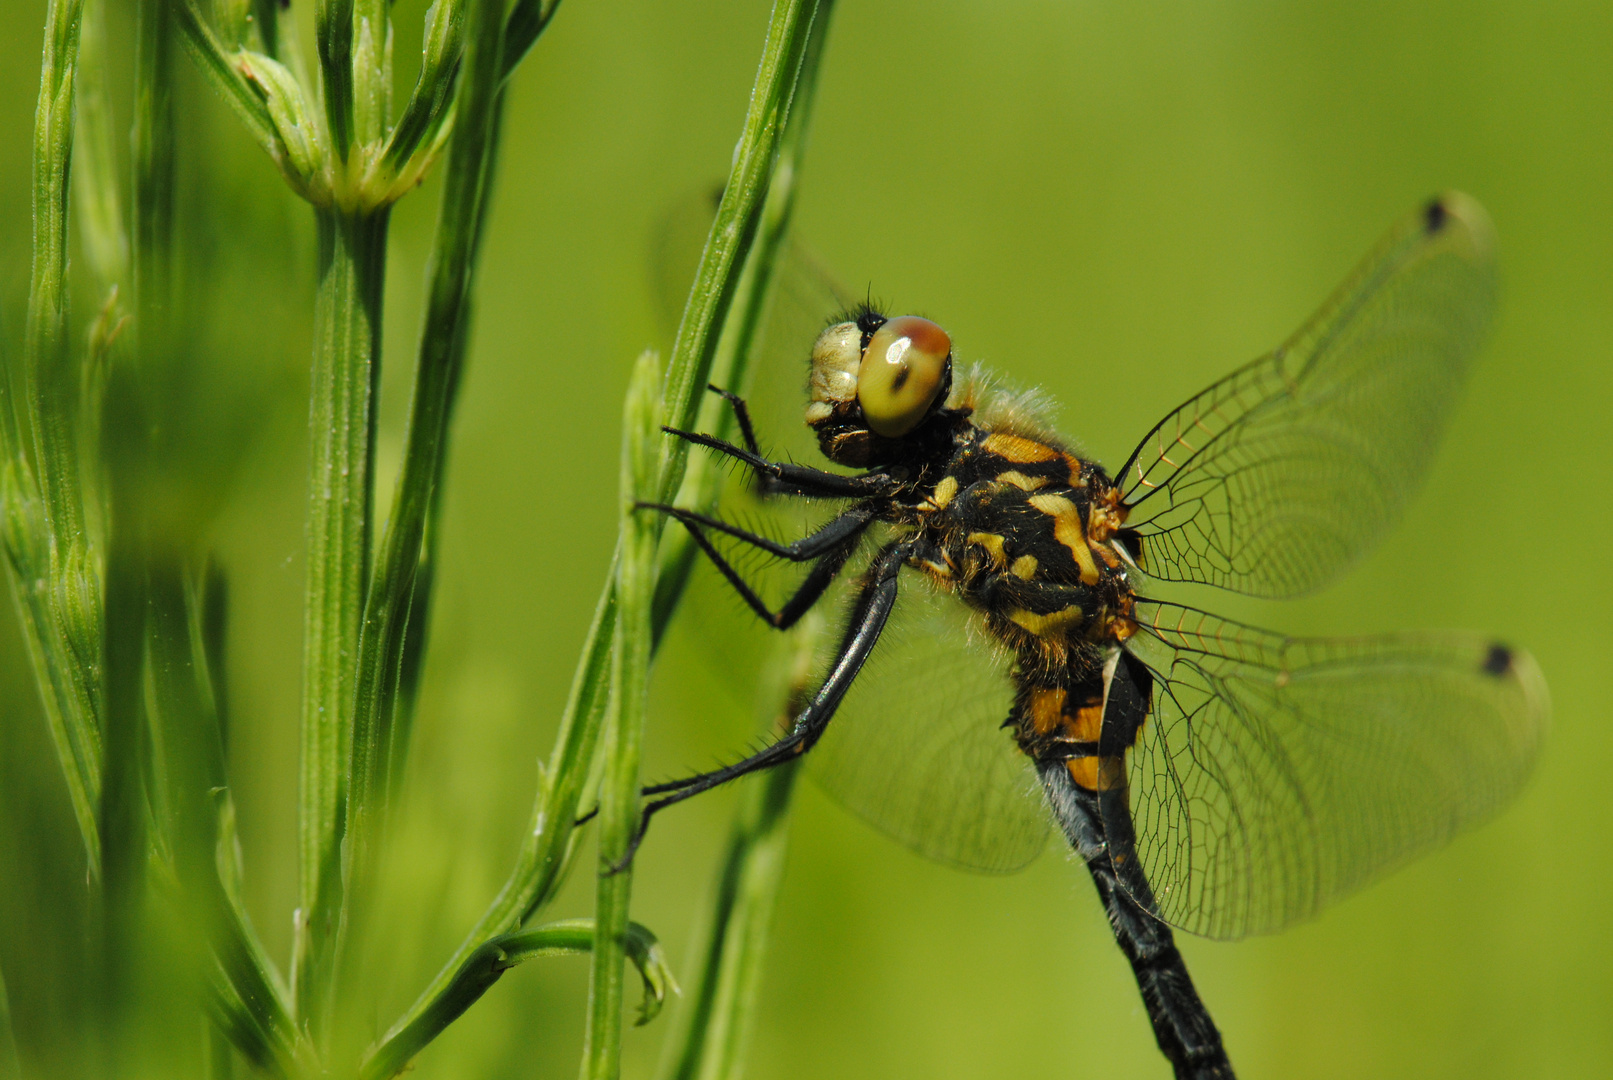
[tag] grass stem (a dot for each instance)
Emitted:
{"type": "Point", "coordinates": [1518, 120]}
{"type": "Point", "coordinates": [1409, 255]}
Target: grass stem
{"type": "Point", "coordinates": [624, 718]}
{"type": "Point", "coordinates": [347, 348]}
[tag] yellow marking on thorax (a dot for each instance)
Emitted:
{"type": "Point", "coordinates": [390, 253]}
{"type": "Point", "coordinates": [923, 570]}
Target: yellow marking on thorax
{"type": "Point", "coordinates": [1016, 448]}
{"type": "Point", "coordinates": [1067, 530]}
{"type": "Point", "coordinates": [993, 545]}
{"type": "Point", "coordinates": [1073, 463]}
{"type": "Point", "coordinates": [1053, 624]}
{"type": "Point", "coordinates": [1098, 773]}
{"type": "Point", "coordinates": [945, 489]}
{"type": "Point", "coordinates": [1021, 481]}
{"type": "Point", "coordinates": [1024, 567]}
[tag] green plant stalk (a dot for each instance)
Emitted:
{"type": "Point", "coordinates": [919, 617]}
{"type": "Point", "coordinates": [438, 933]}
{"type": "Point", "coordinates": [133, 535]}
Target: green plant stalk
{"type": "Point", "coordinates": [346, 365]}
{"type": "Point", "coordinates": [488, 963]}
{"type": "Point", "coordinates": [738, 215]}
{"type": "Point", "coordinates": [624, 719]}
{"type": "Point", "coordinates": [543, 857]}
{"type": "Point", "coordinates": [731, 364]}
{"type": "Point", "coordinates": [46, 535]}
{"type": "Point", "coordinates": [383, 631]}
{"type": "Point", "coordinates": [712, 1028]}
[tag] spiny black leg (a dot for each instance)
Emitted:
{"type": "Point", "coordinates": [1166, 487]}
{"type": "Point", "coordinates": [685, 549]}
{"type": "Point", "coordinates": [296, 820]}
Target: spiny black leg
{"type": "Point", "coordinates": [831, 545]}
{"type": "Point", "coordinates": [785, 478]}
{"type": "Point", "coordinates": [842, 528]}
{"type": "Point", "coordinates": [741, 414]}
{"type": "Point", "coordinates": [874, 603]}
{"type": "Point", "coordinates": [823, 572]}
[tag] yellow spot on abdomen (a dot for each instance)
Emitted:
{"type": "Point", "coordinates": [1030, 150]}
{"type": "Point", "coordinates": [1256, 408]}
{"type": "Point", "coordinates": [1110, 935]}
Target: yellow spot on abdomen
{"type": "Point", "coordinates": [1024, 567]}
{"type": "Point", "coordinates": [1047, 710]}
{"type": "Point", "coordinates": [1067, 530]}
{"type": "Point", "coordinates": [1098, 773]}
{"type": "Point", "coordinates": [1088, 723]}
{"type": "Point", "coordinates": [1016, 448]}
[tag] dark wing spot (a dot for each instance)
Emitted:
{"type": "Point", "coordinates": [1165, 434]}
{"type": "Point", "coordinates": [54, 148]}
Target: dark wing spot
{"type": "Point", "coordinates": [1435, 216]}
{"type": "Point", "coordinates": [1498, 661]}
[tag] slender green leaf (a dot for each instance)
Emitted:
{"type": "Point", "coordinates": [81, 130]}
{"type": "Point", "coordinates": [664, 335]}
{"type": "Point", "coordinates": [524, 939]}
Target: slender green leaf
{"type": "Point", "coordinates": [527, 21]}
{"type": "Point", "coordinates": [48, 542]}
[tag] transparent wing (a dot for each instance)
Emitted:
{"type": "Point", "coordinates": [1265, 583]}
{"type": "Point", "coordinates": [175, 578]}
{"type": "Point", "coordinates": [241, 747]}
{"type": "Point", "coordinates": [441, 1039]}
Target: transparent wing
{"type": "Point", "coordinates": [1276, 775]}
{"type": "Point", "coordinates": [1276, 478]}
{"type": "Point", "coordinates": [918, 749]}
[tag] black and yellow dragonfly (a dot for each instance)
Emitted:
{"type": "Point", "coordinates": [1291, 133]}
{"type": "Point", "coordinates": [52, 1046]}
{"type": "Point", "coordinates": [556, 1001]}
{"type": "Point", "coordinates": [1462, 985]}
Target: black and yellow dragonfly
{"type": "Point", "coordinates": [1008, 657]}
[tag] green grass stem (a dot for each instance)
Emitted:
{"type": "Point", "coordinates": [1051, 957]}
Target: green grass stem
{"type": "Point", "coordinates": [347, 355]}
{"type": "Point", "coordinates": [56, 570]}
{"type": "Point", "coordinates": [731, 362]}
{"type": "Point", "coordinates": [624, 717]}
{"type": "Point", "coordinates": [550, 837]}
{"type": "Point", "coordinates": [387, 613]}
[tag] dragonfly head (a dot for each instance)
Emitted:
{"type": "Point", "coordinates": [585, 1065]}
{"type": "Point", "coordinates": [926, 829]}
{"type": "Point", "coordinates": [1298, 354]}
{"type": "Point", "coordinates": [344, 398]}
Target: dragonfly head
{"type": "Point", "coordinates": [874, 381]}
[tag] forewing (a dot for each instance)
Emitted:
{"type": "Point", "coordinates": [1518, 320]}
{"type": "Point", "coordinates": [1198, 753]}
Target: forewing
{"type": "Point", "coordinates": [918, 747]}
{"type": "Point", "coordinates": [1276, 775]}
{"type": "Point", "coordinates": [1276, 478]}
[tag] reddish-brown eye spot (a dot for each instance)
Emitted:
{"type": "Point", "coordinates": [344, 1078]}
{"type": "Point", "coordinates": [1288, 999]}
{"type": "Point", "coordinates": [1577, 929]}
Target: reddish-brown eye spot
{"type": "Point", "coordinates": [902, 371]}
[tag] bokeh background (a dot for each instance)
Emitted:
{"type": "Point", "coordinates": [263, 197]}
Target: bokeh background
{"type": "Point", "coordinates": [1118, 202]}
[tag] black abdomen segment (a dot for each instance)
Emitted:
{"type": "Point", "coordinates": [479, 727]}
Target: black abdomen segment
{"type": "Point", "coordinates": [1182, 1025]}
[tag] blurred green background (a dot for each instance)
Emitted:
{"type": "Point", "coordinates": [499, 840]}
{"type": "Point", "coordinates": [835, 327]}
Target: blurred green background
{"type": "Point", "coordinates": [1118, 202]}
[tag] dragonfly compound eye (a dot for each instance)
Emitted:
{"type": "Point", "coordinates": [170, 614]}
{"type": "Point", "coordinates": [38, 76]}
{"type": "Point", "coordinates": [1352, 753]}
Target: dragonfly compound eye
{"type": "Point", "coordinates": [903, 369]}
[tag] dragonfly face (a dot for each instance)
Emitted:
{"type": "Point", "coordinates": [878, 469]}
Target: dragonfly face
{"type": "Point", "coordinates": [1214, 777]}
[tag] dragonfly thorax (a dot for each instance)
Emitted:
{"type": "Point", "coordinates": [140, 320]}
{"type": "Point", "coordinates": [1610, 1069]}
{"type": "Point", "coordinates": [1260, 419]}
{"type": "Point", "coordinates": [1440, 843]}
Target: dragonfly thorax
{"type": "Point", "coordinates": [1023, 530]}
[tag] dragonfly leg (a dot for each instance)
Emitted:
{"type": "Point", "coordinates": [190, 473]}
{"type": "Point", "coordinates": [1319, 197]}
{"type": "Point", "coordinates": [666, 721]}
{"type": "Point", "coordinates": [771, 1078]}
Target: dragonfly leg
{"type": "Point", "coordinates": [873, 606]}
{"type": "Point", "coordinates": [787, 478]}
{"type": "Point", "coordinates": [1186, 1034]}
{"type": "Point", "coordinates": [831, 546]}
{"type": "Point", "coordinates": [741, 415]}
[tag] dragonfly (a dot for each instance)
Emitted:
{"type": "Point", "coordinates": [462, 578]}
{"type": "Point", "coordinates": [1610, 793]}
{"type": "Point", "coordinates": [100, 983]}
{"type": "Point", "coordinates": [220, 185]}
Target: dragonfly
{"type": "Point", "coordinates": [1010, 661]}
